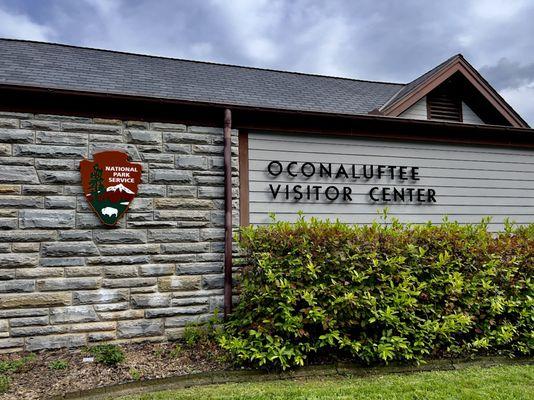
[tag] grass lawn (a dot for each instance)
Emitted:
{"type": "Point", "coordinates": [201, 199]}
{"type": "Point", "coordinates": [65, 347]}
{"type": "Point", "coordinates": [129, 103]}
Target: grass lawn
{"type": "Point", "coordinates": [496, 383]}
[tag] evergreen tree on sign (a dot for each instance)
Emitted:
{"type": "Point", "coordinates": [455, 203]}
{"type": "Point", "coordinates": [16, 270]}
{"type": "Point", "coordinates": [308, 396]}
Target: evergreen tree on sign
{"type": "Point", "coordinates": [96, 182]}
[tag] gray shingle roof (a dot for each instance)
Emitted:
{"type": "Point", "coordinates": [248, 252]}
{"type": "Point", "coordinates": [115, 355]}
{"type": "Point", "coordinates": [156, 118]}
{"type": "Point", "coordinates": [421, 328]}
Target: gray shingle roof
{"type": "Point", "coordinates": [35, 64]}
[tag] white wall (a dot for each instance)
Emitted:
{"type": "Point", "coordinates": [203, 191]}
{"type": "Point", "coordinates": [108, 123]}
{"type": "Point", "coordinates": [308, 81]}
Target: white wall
{"type": "Point", "coordinates": [417, 111]}
{"type": "Point", "coordinates": [470, 182]}
{"type": "Point", "coordinates": [469, 116]}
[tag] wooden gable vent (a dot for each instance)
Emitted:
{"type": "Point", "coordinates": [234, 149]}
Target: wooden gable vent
{"type": "Point", "coordinates": [444, 104]}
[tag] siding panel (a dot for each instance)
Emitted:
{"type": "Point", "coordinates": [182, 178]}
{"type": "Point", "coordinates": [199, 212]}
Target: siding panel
{"type": "Point", "coordinates": [470, 182]}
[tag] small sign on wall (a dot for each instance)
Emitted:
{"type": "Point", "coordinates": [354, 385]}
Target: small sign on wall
{"type": "Point", "coordinates": [110, 184]}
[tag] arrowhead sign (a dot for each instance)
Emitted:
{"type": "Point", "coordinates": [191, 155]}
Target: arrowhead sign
{"type": "Point", "coordinates": [110, 184]}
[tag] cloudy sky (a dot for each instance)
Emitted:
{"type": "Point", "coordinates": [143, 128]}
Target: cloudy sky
{"type": "Point", "coordinates": [375, 40]}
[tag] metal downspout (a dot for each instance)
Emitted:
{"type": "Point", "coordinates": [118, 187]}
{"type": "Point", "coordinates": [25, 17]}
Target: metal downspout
{"type": "Point", "coordinates": [227, 212]}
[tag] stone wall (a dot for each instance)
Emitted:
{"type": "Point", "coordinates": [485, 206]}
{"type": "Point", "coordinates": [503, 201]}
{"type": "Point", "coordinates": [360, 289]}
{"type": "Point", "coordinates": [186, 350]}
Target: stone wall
{"type": "Point", "coordinates": [67, 280]}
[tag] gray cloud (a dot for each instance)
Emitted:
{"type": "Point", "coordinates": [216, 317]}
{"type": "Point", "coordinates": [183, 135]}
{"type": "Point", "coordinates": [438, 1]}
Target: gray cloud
{"type": "Point", "coordinates": [508, 74]}
{"type": "Point", "coordinates": [367, 39]}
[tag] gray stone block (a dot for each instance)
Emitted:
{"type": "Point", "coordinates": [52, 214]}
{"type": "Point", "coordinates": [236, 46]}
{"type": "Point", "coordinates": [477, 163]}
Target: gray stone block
{"type": "Point", "coordinates": [178, 248]}
{"type": "Point", "coordinates": [126, 249]}
{"type": "Point", "coordinates": [211, 192]}
{"type": "Point", "coordinates": [158, 157]}
{"type": "Point", "coordinates": [143, 137]}
{"type": "Point", "coordinates": [7, 274]}
{"type": "Point", "coordinates": [151, 300]}
{"type": "Point", "coordinates": [185, 137]}
{"type": "Point", "coordinates": [120, 271]}
{"type": "Point", "coordinates": [119, 260]}
{"type": "Point", "coordinates": [174, 311]}
{"type": "Point", "coordinates": [206, 129]}
{"type": "Point", "coordinates": [118, 236]}
{"type": "Point", "coordinates": [24, 312]}
{"type": "Point", "coordinates": [182, 215]}
{"type": "Point", "coordinates": [27, 236]}
{"type": "Point", "coordinates": [191, 162]}
{"type": "Point", "coordinates": [90, 128]}
{"type": "Point", "coordinates": [72, 314]}
{"type": "Point", "coordinates": [173, 235]}
{"type": "Point", "coordinates": [69, 139]}
{"type": "Point", "coordinates": [54, 342]}
{"type": "Point", "coordinates": [9, 123]}
{"type": "Point", "coordinates": [38, 150]}
{"type": "Point", "coordinates": [162, 126]}
{"type": "Point", "coordinates": [8, 223]}
{"type": "Point", "coordinates": [23, 161]}
{"type": "Point", "coordinates": [94, 337]}
{"type": "Point", "coordinates": [66, 284]}
{"type": "Point", "coordinates": [140, 205]}
{"type": "Point", "coordinates": [46, 219]}
{"type": "Point", "coordinates": [147, 190]}
{"type": "Point", "coordinates": [100, 296]}
{"type": "Point", "coordinates": [18, 174]}
{"type": "Point", "coordinates": [181, 191]}
{"type": "Point", "coordinates": [212, 234]}
{"type": "Point", "coordinates": [101, 138]}
{"type": "Point", "coordinates": [21, 202]}
{"type": "Point", "coordinates": [55, 164]}
{"type": "Point", "coordinates": [17, 286]}
{"type": "Point", "coordinates": [40, 125]}
{"type": "Point", "coordinates": [182, 321]}
{"type": "Point", "coordinates": [69, 249]}
{"type": "Point", "coordinates": [184, 203]}
{"type": "Point", "coordinates": [16, 136]}
{"type": "Point", "coordinates": [199, 268]}
{"type": "Point", "coordinates": [18, 260]}
{"type": "Point", "coordinates": [61, 262]}
{"type": "Point", "coordinates": [156, 269]}
{"type": "Point", "coordinates": [33, 273]}
{"type": "Point", "coordinates": [213, 281]}
{"type": "Point", "coordinates": [71, 272]}
{"type": "Point", "coordinates": [141, 328]}
{"type": "Point", "coordinates": [166, 176]}
{"type": "Point", "coordinates": [11, 343]}
{"type": "Point", "coordinates": [173, 148]}
{"type": "Point", "coordinates": [28, 321]}
{"type": "Point", "coordinates": [63, 202]}
{"type": "Point", "coordinates": [128, 282]}
{"type": "Point", "coordinates": [41, 189]}
{"type": "Point", "coordinates": [189, 301]}
{"type": "Point", "coordinates": [60, 177]}
{"type": "Point", "coordinates": [75, 235]}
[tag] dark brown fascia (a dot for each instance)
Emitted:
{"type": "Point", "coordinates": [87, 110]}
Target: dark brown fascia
{"type": "Point", "coordinates": [460, 65]}
{"type": "Point", "coordinates": [114, 106]}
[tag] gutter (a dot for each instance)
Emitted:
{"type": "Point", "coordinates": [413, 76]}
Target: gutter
{"type": "Point", "coordinates": [227, 212]}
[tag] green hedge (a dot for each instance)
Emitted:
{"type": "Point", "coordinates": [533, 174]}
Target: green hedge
{"type": "Point", "coordinates": [379, 293]}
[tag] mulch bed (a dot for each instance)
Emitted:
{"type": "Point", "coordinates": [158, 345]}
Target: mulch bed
{"type": "Point", "coordinates": [37, 380]}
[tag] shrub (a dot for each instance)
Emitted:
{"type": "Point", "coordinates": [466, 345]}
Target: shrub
{"type": "Point", "coordinates": [380, 293]}
{"type": "Point", "coordinates": [107, 354]}
{"type": "Point", "coordinates": [135, 374]}
{"type": "Point", "coordinates": [202, 333]}
{"type": "Point", "coordinates": [58, 365]}
{"type": "Point", "coordinates": [17, 365]}
{"type": "Point", "coordinates": [4, 384]}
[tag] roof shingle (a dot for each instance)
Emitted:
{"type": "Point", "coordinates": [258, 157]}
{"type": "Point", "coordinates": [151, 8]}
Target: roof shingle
{"type": "Point", "coordinates": [44, 65]}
